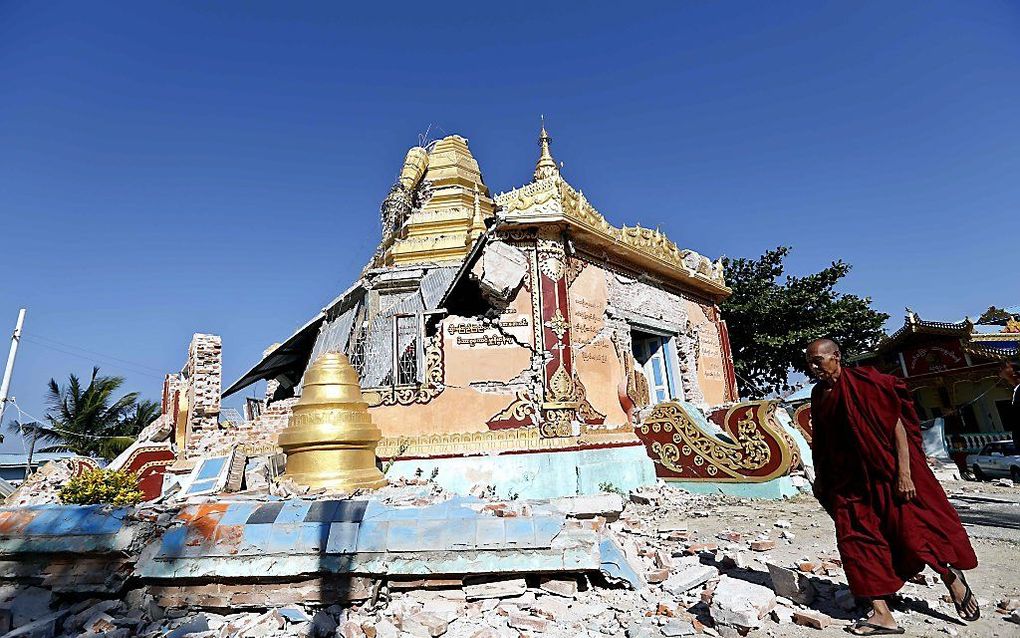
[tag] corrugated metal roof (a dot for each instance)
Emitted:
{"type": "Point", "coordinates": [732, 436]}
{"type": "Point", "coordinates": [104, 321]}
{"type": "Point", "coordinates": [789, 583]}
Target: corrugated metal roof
{"type": "Point", "coordinates": [435, 284]}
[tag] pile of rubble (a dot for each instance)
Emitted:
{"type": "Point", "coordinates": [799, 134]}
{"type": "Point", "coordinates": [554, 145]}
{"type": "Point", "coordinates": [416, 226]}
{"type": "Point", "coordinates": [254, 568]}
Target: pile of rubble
{"type": "Point", "coordinates": [704, 565]}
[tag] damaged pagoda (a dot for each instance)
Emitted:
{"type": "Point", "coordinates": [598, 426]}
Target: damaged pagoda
{"type": "Point", "coordinates": [518, 340]}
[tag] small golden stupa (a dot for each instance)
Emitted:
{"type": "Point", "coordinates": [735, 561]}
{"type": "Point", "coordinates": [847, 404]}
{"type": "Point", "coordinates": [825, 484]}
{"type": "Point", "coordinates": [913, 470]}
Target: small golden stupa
{"type": "Point", "coordinates": [330, 441]}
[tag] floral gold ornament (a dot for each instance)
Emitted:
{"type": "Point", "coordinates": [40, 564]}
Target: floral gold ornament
{"type": "Point", "coordinates": [561, 386]}
{"type": "Point", "coordinates": [558, 324]}
{"type": "Point", "coordinates": [683, 450]}
{"type": "Point", "coordinates": [331, 441]}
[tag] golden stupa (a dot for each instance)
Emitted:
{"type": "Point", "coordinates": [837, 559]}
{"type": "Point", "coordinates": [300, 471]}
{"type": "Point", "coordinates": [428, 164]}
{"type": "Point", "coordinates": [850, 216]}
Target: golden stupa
{"type": "Point", "coordinates": [330, 441]}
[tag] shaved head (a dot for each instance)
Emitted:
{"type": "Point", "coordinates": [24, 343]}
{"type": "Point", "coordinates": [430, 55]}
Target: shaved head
{"type": "Point", "coordinates": [824, 360]}
{"type": "Point", "coordinates": [822, 346]}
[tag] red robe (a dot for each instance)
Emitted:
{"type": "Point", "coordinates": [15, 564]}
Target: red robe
{"type": "Point", "coordinates": [882, 540]}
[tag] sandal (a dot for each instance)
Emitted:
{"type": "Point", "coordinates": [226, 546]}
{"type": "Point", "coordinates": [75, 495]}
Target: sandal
{"type": "Point", "coordinates": [967, 596]}
{"type": "Point", "coordinates": [874, 630]}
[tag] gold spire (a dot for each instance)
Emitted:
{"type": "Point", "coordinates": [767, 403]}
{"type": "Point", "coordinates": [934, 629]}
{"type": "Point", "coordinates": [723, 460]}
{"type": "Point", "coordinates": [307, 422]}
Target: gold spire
{"type": "Point", "coordinates": [330, 440]}
{"type": "Point", "coordinates": [546, 166]}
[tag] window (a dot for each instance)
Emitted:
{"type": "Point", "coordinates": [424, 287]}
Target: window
{"type": "Point", "coordinates": [657, 358]}
{"type": "Point", "coordinates": [208, 476]}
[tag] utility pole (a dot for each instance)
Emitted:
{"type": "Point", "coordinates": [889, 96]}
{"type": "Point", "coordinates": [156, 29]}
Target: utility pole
{"type": "Point", "coordinates": [6, 384]}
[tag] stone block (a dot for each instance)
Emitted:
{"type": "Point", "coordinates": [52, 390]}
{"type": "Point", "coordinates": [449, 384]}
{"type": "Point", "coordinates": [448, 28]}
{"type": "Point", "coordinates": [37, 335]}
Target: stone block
{"type": "Point", "coordinates": [811, 618]}
{"type": "Point", "coordinates": [763, 545]}
{"type": "Point", "coordinates": [656, 575]}
{"type": "Point", "coordinates": [45, 627]}
{"type": "Point", "coordinates": [688, 576]}
{"type": "Point", "coordinates": [697, 548]}
{"type": "Point", "coordinates": [791, 584]}
{"type": "Point", "coordinates": [566, 587]}
{"type": "Point", "coordinates": [555, 609]}
{"type": "Point", "coordinates": [739, 603]}
{"type": "Point", "coordinates": [489, 588]}
{"type": "Point", "coordinates": [29, 604]}
{"type": "Point", "coordinates": [527, 622]}
{"type": "Point", "coordinates": [424, 625]}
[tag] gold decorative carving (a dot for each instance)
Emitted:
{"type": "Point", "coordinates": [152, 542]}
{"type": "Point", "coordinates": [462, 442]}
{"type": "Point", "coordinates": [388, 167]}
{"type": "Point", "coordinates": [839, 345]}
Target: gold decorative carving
{"type": "Point", "coordinates": [525, 439]}
{"type": "Point", "coordinates": [522, 408]}
{"type": "Point", "coordinates": [551, 195]}
{"type": "Point", "coordinates": [585, 411]}
{"type": "Point", "coordinates": [749, 453]}
{"type": "Point", "coordinates": [557, 422]}
{"type": "Point", "coordinates": [552, 266]}
{"type": "Point", "coordinates": [561, 386]}
{"type": "Point", "coordinates": [429, 389]}
{"type": "Point", "coordinates": [558, 324]}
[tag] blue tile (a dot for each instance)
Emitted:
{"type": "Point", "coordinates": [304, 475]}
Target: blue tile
{"type": "Point", "coordinates": [403, 536]}
{"type": "Point", "coordinates": [376, 511]}
{"type": "Point", "coordinates": [458, 535]}
{"type": "Point", "coordinates": [491, 532]}
{"type": "Point", "coordinates": [265, 513]}
{"type": "Point", "coordinates": [520, 532]}
{"type": "Point", "coordinates": [546, 529]}
{"type": "Point", "coordinates": [322, 511]}
{"type": "Point", "coordinates": [312, 538]}
{"type": "Point", "coordinates": [343, 538]}
{"type": "Point", "coordinates": [73, 521]}
{"type": "Point", "coordinates": [42, 522]}
{"type": "Point", "coordinates": [173, 542]}
{"type": "Point", "coordinates": [429, 536]}
{"type": "Point", "coordinates": [282, 539]}
{"type": "Point", "coordinates": [351, 511]}
{"type": "Point", "coordinates": [103, 522]}
{"type": "Point", "coordinates": [372, 536]}
{"type": "Point", "coordinates": [293, 512]}
{"type": "Point", "coordinates": [238, 513]}
{"type": "Point", "coordinates": [256, 539]}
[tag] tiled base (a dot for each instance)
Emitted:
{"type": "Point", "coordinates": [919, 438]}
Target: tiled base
{"type": "Point", "coordinates": [537, 474]}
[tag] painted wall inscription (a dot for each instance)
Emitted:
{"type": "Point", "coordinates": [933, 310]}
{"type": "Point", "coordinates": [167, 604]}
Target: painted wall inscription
{"type": "Point", "coordinates": [508, 331]}
{"type": "Point", "coordinates": [711, 352]}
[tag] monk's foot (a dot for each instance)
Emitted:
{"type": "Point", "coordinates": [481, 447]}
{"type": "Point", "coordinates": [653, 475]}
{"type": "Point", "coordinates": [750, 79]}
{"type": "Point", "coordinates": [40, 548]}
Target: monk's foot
{"type": "Point", "coordinates": [963, 597]}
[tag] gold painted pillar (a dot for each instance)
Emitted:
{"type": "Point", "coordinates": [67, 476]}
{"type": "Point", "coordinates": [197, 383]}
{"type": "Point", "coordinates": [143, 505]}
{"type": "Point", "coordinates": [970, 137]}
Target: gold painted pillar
{"type": "Point", "coordinates": [330, 441]}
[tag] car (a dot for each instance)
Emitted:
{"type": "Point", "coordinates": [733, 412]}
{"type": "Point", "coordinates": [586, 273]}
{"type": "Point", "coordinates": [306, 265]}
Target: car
{"type": "Point", "coordinates": [996, 459]}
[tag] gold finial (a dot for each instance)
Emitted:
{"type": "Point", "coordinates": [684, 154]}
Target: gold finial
{"type": "Point", "coordinates": [546, 166]}
{"type": "Point", "coordinates": [330, 441]}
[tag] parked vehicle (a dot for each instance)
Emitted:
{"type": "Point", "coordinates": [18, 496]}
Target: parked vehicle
{"type": "Point", "coordinates": [995, 460]}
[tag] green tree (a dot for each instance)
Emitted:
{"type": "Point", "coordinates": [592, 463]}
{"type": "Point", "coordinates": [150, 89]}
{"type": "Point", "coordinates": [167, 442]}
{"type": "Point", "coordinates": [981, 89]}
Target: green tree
{"type": "Point", "coordinates": [771, 317]}
{"type": "Point", "coordinates": [89, 419]}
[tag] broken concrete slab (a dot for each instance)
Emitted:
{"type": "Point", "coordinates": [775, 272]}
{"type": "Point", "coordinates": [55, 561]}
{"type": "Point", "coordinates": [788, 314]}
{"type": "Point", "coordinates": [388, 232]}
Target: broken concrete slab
{"type": "Point", "coordinates": [565, 587]}
{"type": "Point", "coordinates": [607, 505]}
{"type": "Point", "coordinates": [481, 588]}
{"type": "Point", "coordinates": [689, 573]}
{"type": "Point", "coordinates": [739, 603]}
{"type": "Point", "coordinates": [791, 584]}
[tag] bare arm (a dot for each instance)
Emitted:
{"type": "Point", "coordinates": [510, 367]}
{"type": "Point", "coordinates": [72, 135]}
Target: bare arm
{"type": "Point", "coordinates": [904, 484]}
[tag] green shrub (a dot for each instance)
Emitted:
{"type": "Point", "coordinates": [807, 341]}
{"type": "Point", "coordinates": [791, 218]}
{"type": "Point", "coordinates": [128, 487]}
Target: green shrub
{"type": "Point", "coordinates": [102, 487]}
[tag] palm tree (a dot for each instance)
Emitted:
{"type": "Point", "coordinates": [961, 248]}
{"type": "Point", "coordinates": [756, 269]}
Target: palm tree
{"type": "Point", "coordinates": [89, 420]}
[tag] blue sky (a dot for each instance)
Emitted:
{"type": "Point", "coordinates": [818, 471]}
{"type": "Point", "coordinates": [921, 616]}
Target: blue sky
{"type": "Point", "coordinates": [171, 168]}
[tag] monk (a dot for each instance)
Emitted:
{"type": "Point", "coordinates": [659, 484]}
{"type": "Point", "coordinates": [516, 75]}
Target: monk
{"type": "Point", "coordinates": [892, 516]}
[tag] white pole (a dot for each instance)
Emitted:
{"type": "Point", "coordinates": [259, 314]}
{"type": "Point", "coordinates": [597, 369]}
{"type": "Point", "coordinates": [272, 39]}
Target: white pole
{"type": "Point", "coordinates": [6, 384]}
